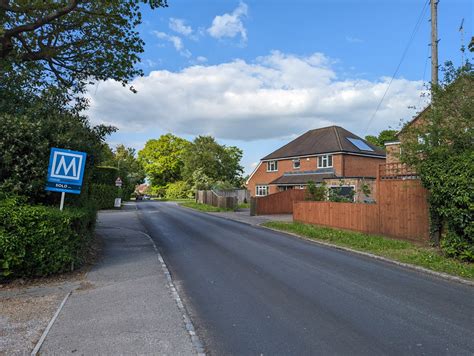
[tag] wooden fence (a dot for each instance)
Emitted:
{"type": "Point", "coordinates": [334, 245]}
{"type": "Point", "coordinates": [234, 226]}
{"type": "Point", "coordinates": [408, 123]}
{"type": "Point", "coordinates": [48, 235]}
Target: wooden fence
{"type": "Point", "coordinates": [211, 198]}
{"type": "Point", "coordinates": [401, 211]}
{"type": "Point", "coordinates": [278, 203]}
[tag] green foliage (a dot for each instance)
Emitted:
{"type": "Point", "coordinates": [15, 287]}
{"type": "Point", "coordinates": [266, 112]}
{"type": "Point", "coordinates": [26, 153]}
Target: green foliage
{"type": "Point", "coordinates": [223, 186]}
{"type": "Point", "coordinates": [38, 240]}
{"type": "Point", "coordinates": [336, 194]}
{"type": "Point", "coordinates": [104, 175]}
{"type": "Point", "coordinates": [383, 137]}
{"type": "Point", "coordinates": [71, 43]}
{"type": "Point", "coordinates": [215, 161]}
{"type": "Point", "coordinates": [103, 195]}
{"type": "Point", "coordinates": [162, 159]}
{"type": "Point", "coordinates": [127, 167]}
{"type": "Point", "coordinates": [441, 150]}
{"type": "Point", "coordinates": [200, 180]}
{"type": "Point", "coordinates": [178, 190]}
{"type": "Point", "coordinates": [30, 128]}
{"type": "Point", "coordinates": [316, 192]}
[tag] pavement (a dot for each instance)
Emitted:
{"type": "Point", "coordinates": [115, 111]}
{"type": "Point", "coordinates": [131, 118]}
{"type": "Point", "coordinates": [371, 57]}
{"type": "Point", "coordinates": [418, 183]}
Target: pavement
{"type": "Point", "coordinates": [126, 304]}
{"type": "Point", "coordinates": [243, 215]}
{"type": "Point", "coordinates": [251, 291]}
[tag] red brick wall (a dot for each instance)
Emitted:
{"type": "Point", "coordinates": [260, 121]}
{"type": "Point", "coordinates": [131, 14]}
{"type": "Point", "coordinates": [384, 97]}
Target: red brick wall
{"type": "Point", "coordinates": [393, 153]}
{"type": "Point", "coordinates": [359, 166]}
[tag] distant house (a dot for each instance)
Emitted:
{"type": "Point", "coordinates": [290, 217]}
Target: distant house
{"type": "Point", "coordinates": [331, 154]}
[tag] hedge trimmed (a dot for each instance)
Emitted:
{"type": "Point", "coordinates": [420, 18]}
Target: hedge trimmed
{"type": "Point", "coordinates": [39, 240]}
{"type": "Point", "coordinates": [104, 195]}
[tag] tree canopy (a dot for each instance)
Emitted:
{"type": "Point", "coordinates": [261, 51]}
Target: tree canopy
{"type": "Point", "coordinates": [442, 151]}
{"type": "Point", "coordinates": [218, 162]}
{"type": "Point", "coordinates": [163, 159]}
{"type": "Point", "coordinates": [383, 137]}
{"type": "Point", "coordinates": [72, 42]}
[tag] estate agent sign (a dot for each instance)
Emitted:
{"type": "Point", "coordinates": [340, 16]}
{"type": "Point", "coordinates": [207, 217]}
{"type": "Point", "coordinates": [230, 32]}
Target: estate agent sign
{"type": "Point", "coordinates": [65, 171]}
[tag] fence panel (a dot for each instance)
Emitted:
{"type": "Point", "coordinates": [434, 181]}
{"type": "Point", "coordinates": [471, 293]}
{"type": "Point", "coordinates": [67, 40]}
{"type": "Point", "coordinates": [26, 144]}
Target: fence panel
{"type": "Point", "coordinates": [349, 216]}
{"type": "Point", "coordinates": [279, 203]}
{"type": "Point", "coordinates": [401, 211]}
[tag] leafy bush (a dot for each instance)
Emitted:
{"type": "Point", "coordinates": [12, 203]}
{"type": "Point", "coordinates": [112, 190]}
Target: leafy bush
{"type": "Point", "coordinates": [104, 195]}
{"type": "Point", "coordinates": [105, 175]}
{"type": "Point", "coordinates": [316, 193]}
{"type": "Point", "coordinates": [178, 190]}
{"type": "Point", "coordinates": [455, 246]}
{"type": "Point", "coordinates": [39, 240]}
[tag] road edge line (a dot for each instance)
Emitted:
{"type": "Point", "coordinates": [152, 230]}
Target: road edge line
{"type": "Point", "coordinates": [50, 325]}
{"type": "Point", "coordinates": [377, 257]}
{"type": "Point", "coordinates": [197, 344]}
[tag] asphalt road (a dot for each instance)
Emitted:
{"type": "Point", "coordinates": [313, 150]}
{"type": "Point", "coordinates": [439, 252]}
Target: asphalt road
{"type": "Point", "coordinates": [252, 291]}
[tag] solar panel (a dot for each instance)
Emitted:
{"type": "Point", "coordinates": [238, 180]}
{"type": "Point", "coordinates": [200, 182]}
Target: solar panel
{"type": "Point", "coordinates": [361, 145]}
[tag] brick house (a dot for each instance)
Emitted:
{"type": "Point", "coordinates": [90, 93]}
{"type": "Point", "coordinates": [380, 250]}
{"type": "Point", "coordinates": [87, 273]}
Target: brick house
{"type": "Point", "coordinates": [330, 154]}
{"type": "Point", "coordinates": [393, 148]}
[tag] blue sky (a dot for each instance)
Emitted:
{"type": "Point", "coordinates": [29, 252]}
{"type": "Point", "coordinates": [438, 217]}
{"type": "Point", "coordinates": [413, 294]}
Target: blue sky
{"type": "Point", "coordinates": [256, 74]}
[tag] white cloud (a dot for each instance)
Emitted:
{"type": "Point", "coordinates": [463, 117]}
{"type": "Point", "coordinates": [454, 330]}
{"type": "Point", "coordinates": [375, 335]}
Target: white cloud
{"type": "Point", "coordinates": [275, 96]}
{"type": "Point", "coordinates": [230, 25]}
{"type": "Point", "coordinates": [201, 59]}
{"type": "Point", "coordinates": [176, 41]}
{"type": "Point", "coordinates": [179, 26]}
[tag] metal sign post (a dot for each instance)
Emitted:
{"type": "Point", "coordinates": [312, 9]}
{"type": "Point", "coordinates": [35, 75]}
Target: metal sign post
{"type": "Point", "coordinates": [118, 200]}
{"type": "Point", "coordinates": [65, 172]}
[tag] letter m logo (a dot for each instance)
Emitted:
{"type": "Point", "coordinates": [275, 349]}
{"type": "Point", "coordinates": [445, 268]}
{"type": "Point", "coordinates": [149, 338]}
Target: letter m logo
{"type": "Point", "coordinates": [66, 165]}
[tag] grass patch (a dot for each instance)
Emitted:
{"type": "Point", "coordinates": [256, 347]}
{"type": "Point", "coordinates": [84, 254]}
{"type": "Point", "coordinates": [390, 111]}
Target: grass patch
{"type": "Point", "coordinates": [203, 207]}
{"type": "Point", "coordinates": [243, 206]}
{"type": "Point", "coordinates": [402, 251]}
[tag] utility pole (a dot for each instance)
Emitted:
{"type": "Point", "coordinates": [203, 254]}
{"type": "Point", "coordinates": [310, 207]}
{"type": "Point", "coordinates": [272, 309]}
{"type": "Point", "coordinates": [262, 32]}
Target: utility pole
{"type": "Point", "coordinates": [434, 42]}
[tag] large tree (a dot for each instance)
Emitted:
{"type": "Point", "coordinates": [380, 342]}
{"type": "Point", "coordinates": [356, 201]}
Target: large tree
{"type": "Point", "coordinates": [215, 161]}
{"type": "Point", "coordinates": [163, 158]}
{"type": "Point", "coordinates": [71, 42]}
{"type": "Point", "coordinates": [383, 137]}
{"type": "Point", "coordinates": [442, 151]}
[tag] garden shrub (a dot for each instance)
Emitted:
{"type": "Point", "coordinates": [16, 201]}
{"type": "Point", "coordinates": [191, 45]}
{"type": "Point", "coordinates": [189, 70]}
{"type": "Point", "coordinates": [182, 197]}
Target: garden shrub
{"type": "Point", "coordinates": [40, 240]}
{"type": "Point", "coordinates": [104, 195]}
{"type": "Point", "coordinates": [178, 190]}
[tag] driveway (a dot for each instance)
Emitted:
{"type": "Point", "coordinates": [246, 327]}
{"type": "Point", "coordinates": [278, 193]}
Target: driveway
{"type": "Point", "coordinates": [253, 291]}
{"type": "Point", "coordinates": [243, 215]}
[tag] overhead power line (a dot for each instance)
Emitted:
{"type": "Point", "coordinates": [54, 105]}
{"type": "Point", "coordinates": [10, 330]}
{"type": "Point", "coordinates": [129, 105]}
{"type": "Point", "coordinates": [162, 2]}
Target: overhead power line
{"type": "Point", "coordinates": [404, 53]}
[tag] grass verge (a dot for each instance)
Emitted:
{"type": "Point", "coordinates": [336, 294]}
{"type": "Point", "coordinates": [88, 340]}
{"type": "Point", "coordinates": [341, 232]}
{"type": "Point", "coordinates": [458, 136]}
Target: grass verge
{"type": "Point", "coordinates": [203, 207]}
{"type": "Point", "coordinates": [402, 251]}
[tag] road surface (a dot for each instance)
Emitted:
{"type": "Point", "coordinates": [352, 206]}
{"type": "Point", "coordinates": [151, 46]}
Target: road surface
{"type": "Point", "coordinates": [251, 291]}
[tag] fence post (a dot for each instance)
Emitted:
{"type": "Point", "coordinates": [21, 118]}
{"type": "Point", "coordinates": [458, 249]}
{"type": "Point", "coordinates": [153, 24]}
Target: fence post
{"type": "Point", "coordinates": [253, 206]}
{"type": "Point", "coordinates": [377, 201]}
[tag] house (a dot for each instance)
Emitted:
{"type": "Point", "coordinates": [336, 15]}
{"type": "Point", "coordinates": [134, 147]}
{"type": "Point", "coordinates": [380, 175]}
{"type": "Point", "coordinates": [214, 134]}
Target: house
{"type": "Point", "coordinates": [393, 148]}
{"type": "Point", "coordinates": [331, 154]}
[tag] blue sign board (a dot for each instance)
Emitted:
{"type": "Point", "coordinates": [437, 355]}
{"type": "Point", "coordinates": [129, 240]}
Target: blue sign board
{"type": "Point", "coordinates": [65, 171]}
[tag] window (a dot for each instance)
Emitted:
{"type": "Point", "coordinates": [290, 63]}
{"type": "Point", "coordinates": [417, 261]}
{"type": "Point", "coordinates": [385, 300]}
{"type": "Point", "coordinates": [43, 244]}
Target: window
{"type": "Point", "coordinates": [325, 161]}
{"type": "Point", "coordinates": [296, 163]}
{"type": "Point", "coordinates": [361, 145]}
{"type": "Point", "coordinates": [272, 166]}
{"type": "Point", "coordinates": [261, 190]}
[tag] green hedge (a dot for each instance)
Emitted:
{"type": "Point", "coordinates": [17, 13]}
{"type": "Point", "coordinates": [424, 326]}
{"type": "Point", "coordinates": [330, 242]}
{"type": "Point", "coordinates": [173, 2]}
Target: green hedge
{"type": "Point", "coordinates": [39, 240]}
{"type": "Point", "coordinates": [104, 195]}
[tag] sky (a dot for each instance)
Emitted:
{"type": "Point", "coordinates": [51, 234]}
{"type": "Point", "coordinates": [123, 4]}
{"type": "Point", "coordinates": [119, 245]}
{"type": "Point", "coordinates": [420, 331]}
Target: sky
{"type": "Point", "coordinates": [258, 73]}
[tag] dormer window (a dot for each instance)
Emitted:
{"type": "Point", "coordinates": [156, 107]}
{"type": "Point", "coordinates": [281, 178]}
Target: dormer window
{"type": "Point", "coordinates": [296, 163]}
{"type": "Point", "coordinates": [325, 161]}
{"type": "Point", "coordinates": [272, 166]}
